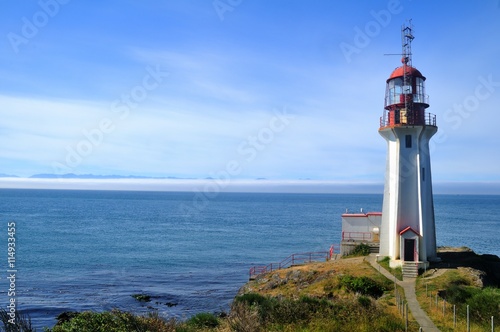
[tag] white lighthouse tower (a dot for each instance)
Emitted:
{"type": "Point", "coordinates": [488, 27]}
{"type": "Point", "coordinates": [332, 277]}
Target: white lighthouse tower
{"type": "Point", "coordinates": [407, 232]}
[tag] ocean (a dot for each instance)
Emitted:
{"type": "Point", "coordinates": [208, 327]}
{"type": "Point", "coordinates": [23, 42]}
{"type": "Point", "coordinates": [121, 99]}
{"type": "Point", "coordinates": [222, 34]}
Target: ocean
{"type": "Point", "coordinates": [92, 250]}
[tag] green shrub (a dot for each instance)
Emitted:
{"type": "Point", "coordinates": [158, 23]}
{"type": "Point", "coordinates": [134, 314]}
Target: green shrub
{"type": "Point", "coordinates": [289, 311]}
{"type": "Point", "coordinates": [284, 311]}
{"type": "Point", "coordinates": [22, 323]}
{"type": "Point", "coordinates": [94, 322]}
{"type": "Point", "coordinates": [362, 285]}
{"type": "Point", "coordinates": [265, 305]}
{"type": "Point", "coordinates": [459, 294]}
{"type": "Point", "coordinates": [329, 287]}
{"type": "Point", "coordinates": [386, 259]}
{"type": "Point", "coordinates": [361, 249]}
{"type": "Point", "coordinates": [300, 311]}
{"type": "Point", "coordinates": [114, 321]}
{"type": "Point", "coordinates": [364, 301]}
{"type": "Point", "coordinates": [485, 304]}
{"type": "Point", "coordinates": [243, 318]}
{"type": "Point", "coordinates": [314, 304]}
{"type": "Point", "coordinates": [252, 299]}
{"type": "Point", "coordinates": [203, 320]}
{"type": "Point", "coordinates": [311, 314]}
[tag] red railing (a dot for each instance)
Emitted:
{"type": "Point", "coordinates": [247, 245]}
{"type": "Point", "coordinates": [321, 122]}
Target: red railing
{"type": "Point", "coordinates": [356, 236]}
{"type": "Point", "coordinates": [295, 259]}
{"type": "Point", "coordinates": [428, 119]}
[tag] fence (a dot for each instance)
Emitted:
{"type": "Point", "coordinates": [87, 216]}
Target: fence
{"type": "Point", "coordinates": [448, 314]}
{"type": "Point", "coordinates": [463, 317]}
{"type": "Point", "coordinates": [357, 236]}
{"type": "Point", "coordinates": [295, 259]}
{"type": "Point", "coordinates": [395, 118]}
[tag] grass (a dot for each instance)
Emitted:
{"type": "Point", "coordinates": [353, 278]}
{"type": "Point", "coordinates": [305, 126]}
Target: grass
{"type": "Point", "coordinates": [358, 297]}
{"type": "Point", "coordinates": [315, 279]}
{"type": "Point", "coordinates": [397, 272]}
{"type": "Point", "coordinates": [455, 287]}
{"type": "Point", "coordinates": [357, 313]}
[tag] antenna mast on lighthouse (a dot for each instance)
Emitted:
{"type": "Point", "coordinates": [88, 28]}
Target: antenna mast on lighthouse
{"type": "Point", "coordinates": [406, 39]}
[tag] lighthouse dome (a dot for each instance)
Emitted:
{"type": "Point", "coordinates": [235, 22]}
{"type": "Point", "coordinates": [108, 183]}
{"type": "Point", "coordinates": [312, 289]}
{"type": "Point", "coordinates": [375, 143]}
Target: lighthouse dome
{"type": "Point", "coordinates": [410, 71]}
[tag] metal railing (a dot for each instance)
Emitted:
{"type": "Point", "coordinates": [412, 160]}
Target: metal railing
{"type": "Point", "coordinates": [428, 119]}
{"type": "Point", "coordinates": [295, 259]}
{"type": "Point", "coordinates": [357, 236]}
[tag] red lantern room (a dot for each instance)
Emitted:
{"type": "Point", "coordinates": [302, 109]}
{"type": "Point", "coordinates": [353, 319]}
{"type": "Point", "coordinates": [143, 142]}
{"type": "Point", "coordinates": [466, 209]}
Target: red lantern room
{"type": "Point", "coordinates": [405, 98]}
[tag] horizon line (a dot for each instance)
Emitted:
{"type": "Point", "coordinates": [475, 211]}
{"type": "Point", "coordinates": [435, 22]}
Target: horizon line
{"type": "Point", "coordinates": [213, 185]}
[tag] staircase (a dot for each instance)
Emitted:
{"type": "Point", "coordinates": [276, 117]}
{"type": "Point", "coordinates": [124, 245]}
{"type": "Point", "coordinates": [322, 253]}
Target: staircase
{"type": "Point", "coordinates": [410, 270]}
{"type": "Point", "coordinates": [374, 247]}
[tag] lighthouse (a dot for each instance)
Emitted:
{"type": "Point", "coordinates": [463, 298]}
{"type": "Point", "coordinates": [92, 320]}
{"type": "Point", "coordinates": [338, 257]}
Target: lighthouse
{"type": "Point", "coordinates": [407, 230]}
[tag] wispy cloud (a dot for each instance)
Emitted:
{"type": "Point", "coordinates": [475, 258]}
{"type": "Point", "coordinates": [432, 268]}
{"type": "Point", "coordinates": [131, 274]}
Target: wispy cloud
{"type": "Point", "coordinates": [226, 80]}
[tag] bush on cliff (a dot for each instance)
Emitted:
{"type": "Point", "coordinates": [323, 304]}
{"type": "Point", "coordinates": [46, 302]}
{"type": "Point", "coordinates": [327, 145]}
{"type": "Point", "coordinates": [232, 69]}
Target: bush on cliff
{"type": "Point", "coordinates": [284, 311]}
{"type": "Point", "coordinates": [254, 312]}
{"type": "Point", "coordinates": [362, 285]}
{"type": "Point", "coordinates": [486, 304]}
{"type": "Point", "coordinates": [361, 249]}
{"type": "Point", "coordinates": [203, 320]}
{"type": "Point", "coordinates": [114, 321]}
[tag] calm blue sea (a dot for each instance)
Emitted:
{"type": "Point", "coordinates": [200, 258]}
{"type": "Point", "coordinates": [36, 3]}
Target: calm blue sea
{"type": "Point", "coordinates": [91, 250]}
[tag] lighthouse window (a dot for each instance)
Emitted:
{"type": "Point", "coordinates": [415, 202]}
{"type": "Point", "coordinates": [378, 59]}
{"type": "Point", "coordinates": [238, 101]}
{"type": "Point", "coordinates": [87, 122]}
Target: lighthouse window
{"type": "Point", "coordinates": [408, 141]}
{"type": "Point", "coordinates": [394, 91]}
{"type": "Point", "coordinates": [419, 96]}
{"type": "Point", "coordinates": [407, 89]}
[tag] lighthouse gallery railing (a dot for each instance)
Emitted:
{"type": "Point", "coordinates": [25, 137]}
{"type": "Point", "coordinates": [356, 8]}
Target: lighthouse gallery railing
{"type": "Point", "coordinates": [429, 119]}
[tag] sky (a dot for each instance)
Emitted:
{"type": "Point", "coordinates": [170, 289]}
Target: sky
{"type": "Point", "coordinates": [241, 90]}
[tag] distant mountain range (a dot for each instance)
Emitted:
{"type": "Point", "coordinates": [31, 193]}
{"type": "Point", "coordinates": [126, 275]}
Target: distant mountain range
{"type": "Point", "coordinates": [85, 176]}
{"type": "Point", "coordinates": [94, 176]}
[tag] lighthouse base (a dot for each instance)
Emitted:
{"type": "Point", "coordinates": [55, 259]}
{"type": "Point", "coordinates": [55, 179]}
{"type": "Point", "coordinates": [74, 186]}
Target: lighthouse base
{"type": "Point", "coordinates": [397, 263]}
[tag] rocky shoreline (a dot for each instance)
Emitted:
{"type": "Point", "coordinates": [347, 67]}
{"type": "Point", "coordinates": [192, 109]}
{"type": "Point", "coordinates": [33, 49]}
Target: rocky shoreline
{"type": "Point", "coordinates": [328, 283]}
{"type": "Point", "coordinates": [484, 269]}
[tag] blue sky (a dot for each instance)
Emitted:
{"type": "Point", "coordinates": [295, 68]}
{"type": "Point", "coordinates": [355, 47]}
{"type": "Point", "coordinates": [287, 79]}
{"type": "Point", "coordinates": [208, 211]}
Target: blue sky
{"type": "Point", "coordinates": [281, 90]}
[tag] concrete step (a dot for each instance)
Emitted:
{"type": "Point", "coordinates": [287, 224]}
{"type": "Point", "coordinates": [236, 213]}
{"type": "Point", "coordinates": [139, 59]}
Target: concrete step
{"type": "Point", "coordinates": [410, 270]}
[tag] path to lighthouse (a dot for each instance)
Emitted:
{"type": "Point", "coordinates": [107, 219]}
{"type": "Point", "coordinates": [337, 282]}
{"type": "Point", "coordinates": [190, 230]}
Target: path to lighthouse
{"type": "Point", "coordinates": [409, 286]}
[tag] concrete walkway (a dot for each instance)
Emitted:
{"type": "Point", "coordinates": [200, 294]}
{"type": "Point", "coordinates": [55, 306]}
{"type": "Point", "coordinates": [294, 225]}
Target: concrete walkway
{"type": "Point", "coordinates": [409, 287]}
